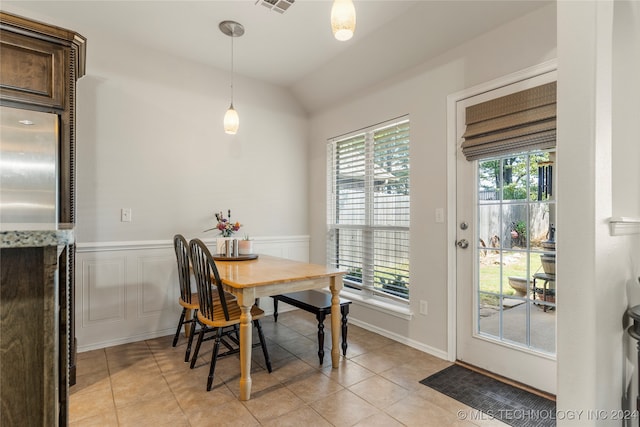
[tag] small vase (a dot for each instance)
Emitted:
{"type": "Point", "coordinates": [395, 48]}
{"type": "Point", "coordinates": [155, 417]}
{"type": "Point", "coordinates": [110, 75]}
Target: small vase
{"type": "Point", "coordinates": [245, 247]}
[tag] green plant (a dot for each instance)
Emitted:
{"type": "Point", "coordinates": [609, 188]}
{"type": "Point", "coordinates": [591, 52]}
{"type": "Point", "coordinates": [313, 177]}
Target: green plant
{"type": "Point", "coordinates": [384, 278]}
{"type": "Point", "coordinates": [519, 233]}
{"type": "Point", "coordinates": [354, 275]}
{"type": "Point", "coordinates": [521, 228]}
{"type": "Point", "coordinates": [395, 285]}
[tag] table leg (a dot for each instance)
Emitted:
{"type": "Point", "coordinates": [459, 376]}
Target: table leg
{"type": "Point", "coordinates": [335, 326]}
{"type": "Point", "coordinates": [345, 313]}
{"type": "Point", "coordinates": [245, 352]}
{"type": "Point", "coordinates": [320, 318]}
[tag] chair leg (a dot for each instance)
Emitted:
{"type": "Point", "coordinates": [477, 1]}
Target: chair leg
{"type": "Point", "coordinates": [214, 357]}
{"type": "Point", "coordinates": [263, 343]}
{"type": "Point", "coordinates": [320, 317]}
{"type": "Point", "coordinates": [180, 322]}
{"type": "Point", "coordinates": [195, 353]}
{"type": "Point", "coordinates": [194, 322]}
{"type": "Point", "coordinates": [275, 309]}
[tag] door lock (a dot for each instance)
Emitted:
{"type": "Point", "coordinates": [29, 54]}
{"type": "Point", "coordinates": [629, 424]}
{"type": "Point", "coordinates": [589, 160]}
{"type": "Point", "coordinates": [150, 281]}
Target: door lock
{"type": "Point", "coordinates": [463, 244]}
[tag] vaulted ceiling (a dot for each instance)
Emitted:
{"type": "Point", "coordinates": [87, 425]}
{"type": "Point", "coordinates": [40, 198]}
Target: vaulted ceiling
{"type": "Point", "coordinates": [295, 49]}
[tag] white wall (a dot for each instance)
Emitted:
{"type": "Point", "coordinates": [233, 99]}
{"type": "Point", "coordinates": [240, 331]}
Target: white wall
{"type": "Point", "coordinates": [150, 138]}
{"type": "Point", "coordinates": [597, 137]}
{"type": "Point", "coordinates": [626, 108]}
{"type": "Point", "coordinates": [626, 157]}
{"type": "Point", "coordinates": [422, 93]}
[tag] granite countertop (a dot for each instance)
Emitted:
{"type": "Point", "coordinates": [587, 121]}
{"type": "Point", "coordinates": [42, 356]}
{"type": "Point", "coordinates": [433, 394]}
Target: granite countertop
{"type": "Point", "coordinates": [35, 235]}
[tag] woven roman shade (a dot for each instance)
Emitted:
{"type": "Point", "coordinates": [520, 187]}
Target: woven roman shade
{"type": "Point", "coordinates": [522, 121]}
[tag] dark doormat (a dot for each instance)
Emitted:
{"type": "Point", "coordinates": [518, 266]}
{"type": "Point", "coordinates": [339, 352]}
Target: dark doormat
{"type": "Point", "coordinates": [493, 398]}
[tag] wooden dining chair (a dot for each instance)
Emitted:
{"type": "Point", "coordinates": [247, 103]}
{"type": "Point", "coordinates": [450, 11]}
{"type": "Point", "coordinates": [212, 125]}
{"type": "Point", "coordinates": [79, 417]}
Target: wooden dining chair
{"type": "Point", "coordinates": [187, 299]}
{"type": "Point", "coordinates": [218, 316]}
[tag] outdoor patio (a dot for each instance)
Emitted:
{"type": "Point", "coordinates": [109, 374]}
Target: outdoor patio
{"type": "Point", "coordinates": [542, 324]}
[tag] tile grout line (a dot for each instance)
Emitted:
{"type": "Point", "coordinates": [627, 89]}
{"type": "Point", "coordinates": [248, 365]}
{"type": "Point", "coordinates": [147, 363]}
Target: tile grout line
{"type": "Point", "coordinates": [113, 397]}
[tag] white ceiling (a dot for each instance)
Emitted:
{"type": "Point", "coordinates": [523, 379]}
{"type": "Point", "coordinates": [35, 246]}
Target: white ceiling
{"type": "Point", "coordinates": [295, 49]}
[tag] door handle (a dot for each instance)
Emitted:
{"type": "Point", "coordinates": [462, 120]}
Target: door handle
{"type": "Point", "coordinates": [463, 243]}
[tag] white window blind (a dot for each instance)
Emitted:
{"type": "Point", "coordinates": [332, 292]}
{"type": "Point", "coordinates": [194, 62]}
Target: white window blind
{"type": "Point", "coordinates": [368, 209]}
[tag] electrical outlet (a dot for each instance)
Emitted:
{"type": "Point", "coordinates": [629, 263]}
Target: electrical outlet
{"type": "Point", "coordinates": [423, 307]}
{"type": "Point", "coordinates": [125, 215]}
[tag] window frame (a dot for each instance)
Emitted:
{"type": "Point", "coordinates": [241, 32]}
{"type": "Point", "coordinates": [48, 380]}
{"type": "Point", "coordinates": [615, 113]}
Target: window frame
{"type": "Point", "coordinates": [371, 287]}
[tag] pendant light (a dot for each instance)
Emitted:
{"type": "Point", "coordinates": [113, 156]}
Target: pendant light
{"type": "Point", "coordinates": [231, 118]}
{"type": "Point", "coordinates": [343, 19]}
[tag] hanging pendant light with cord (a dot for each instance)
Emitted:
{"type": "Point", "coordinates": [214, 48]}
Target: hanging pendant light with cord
{"type": "Point", "coordinates": [231, 118]}
{"type": "Point", "coordinates": [343, 19]}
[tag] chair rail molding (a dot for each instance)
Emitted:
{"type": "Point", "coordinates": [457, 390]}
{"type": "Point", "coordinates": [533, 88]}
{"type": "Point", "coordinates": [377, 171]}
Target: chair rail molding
{"type": "Point", "coordinates": [128, 291]}
{"type": "Point", "coordinates": [261, 242]}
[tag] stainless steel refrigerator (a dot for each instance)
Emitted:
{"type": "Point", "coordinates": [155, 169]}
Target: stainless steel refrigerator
{"type": "Point", "coordinates": [28, 166]}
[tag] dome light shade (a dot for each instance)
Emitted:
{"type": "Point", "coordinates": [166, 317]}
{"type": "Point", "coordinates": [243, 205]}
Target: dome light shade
{"type": "Point", "coordinates": [343, 19]}
{"type": "Point", "coordinates": [231, 121]}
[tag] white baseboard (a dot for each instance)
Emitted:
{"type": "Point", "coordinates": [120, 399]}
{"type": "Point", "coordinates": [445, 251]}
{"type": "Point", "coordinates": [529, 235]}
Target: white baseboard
{"type": "Point", "coordinates": [282, 308]}
{"type": "Point", "coordinates": [401, 339]}
{"type": "Point", "coordinates": [127, 340]}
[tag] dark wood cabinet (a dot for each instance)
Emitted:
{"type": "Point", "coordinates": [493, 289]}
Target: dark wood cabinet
{"type": "Point", "coordinates": [33, 343]}
{"type": "Point", "coordinates": [32, 70]}
{"type": "Point", "coordinates": [38, 71]}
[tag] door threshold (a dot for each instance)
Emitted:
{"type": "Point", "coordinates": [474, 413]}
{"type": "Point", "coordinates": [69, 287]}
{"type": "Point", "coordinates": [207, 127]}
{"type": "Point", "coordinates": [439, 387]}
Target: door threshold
{"type": "Point", "coordinates": [506, 380]}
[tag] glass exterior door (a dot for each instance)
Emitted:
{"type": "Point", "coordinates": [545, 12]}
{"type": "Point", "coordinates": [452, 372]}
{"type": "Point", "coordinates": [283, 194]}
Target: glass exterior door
{"type": "Point", "coordinates": [505, 256]}
{"type": "Point", "coordinates": [515, 301]}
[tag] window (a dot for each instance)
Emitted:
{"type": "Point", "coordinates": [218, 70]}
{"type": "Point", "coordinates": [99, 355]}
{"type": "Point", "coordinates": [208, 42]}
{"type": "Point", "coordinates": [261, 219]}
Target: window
{"type": "Point", "coordinates": [368, 209]}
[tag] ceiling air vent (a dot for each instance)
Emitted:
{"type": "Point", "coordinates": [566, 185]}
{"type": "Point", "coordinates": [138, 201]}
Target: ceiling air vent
{"type": "Point", "coordinates": [279, 6]}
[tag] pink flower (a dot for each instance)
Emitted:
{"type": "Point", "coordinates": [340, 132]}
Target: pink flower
{"type": "Point", "coordinates": [226, 227]}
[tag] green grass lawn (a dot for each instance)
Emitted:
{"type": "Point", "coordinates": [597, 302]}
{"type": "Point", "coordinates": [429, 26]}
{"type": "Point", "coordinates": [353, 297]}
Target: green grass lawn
{"type": "Point", "coordinates": [514, 264]}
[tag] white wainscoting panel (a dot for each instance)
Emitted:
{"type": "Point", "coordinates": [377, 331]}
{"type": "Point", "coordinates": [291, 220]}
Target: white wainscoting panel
{"type": "Point", "coordinates": [157, 279]}
{"type": "Point", "coordinates": [104, 290]}
{"type": "Point", "coordinates": [128, 291]}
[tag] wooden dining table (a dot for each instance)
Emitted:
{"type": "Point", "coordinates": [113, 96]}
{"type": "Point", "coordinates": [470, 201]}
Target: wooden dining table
{"type": "Point", "coordinates": [266, 276]}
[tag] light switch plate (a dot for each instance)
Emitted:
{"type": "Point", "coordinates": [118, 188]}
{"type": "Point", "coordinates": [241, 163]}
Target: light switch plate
{"type": "Point", "coordinates": [125, 215]}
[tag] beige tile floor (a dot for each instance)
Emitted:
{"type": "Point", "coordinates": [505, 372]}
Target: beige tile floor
{"type": "Point", "coordinates": [377, 384]}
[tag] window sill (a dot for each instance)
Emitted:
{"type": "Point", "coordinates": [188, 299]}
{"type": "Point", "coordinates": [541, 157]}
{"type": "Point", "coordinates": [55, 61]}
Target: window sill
{"type": "Point", "coordinates": [402, 311]}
